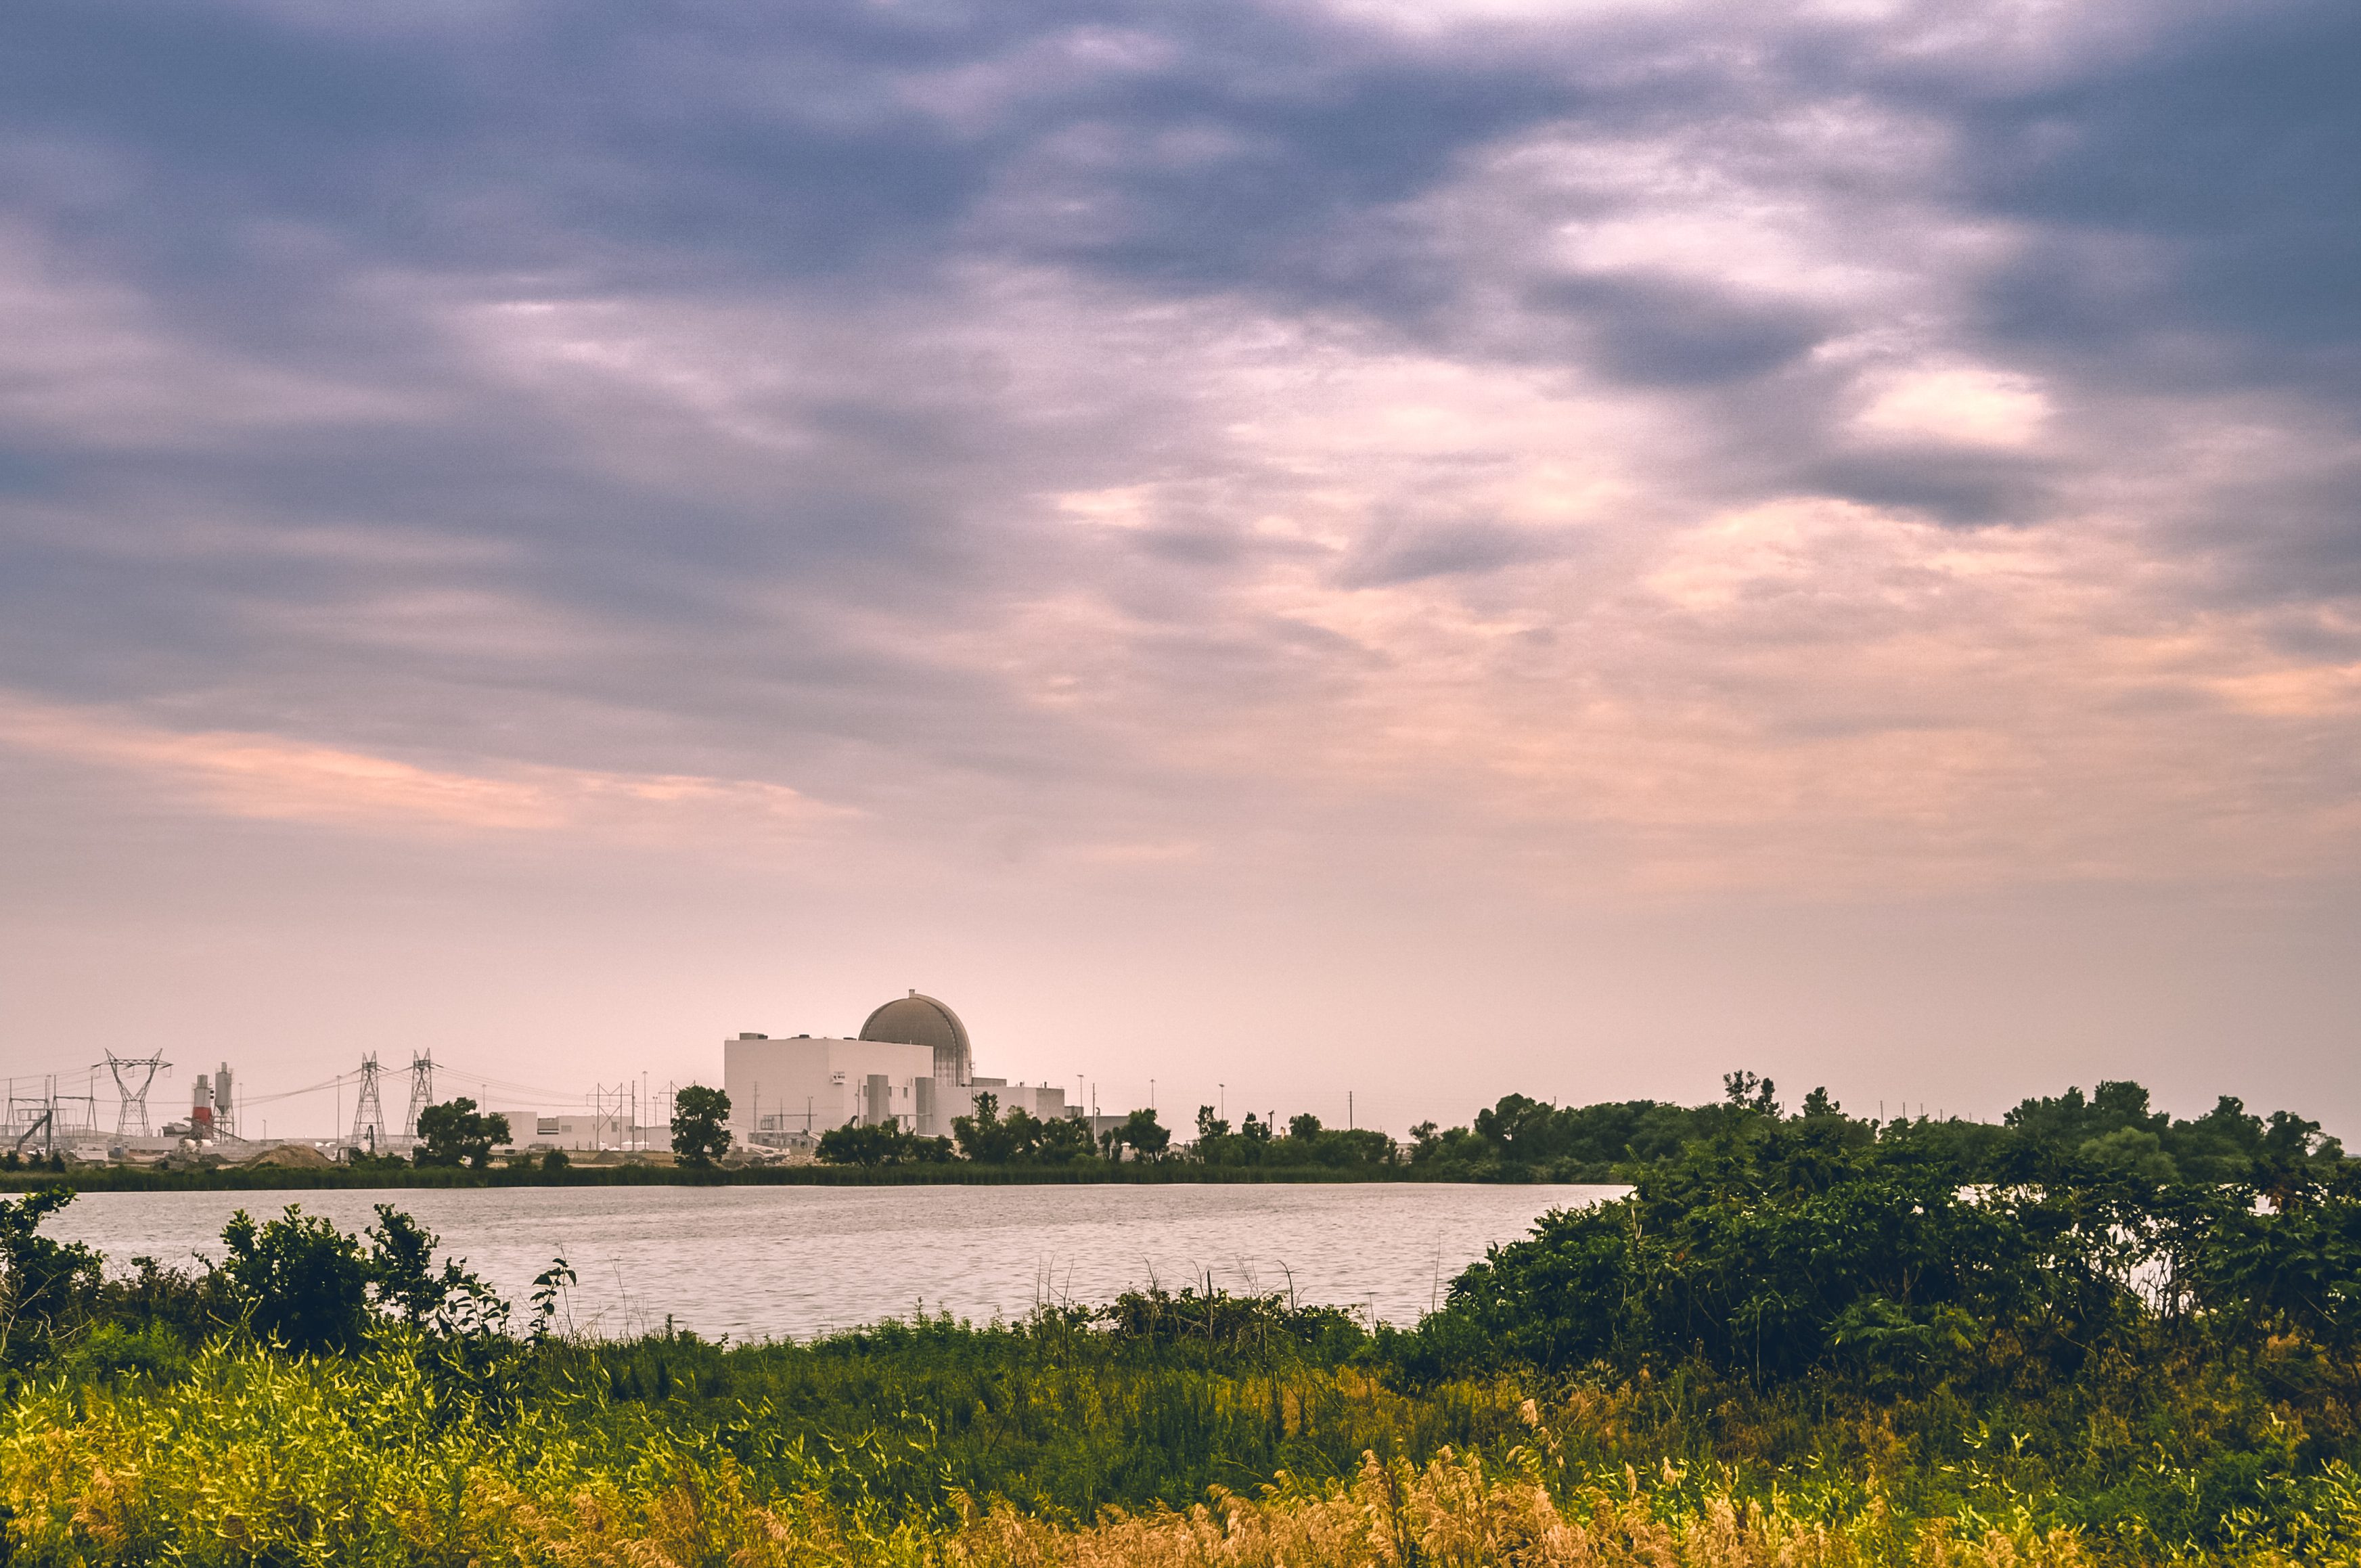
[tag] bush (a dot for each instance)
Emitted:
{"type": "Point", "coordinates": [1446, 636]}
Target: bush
{"type": "Point", "coordinates": [112, 1351]}
{"type": "Point", "coordinates": [301, 1282]}
{"type": "Point", "coordinates": [880, 1146]}
{"type": "Point", "coordinates": [40, 1279]}
{"type": "Point", "coordinates": [1784, 1249]}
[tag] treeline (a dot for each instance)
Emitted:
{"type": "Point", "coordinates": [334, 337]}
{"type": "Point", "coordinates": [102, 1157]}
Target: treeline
{"type": "Point", "coordinates": [1925, 1253]}
{"type": "Point", "coordinates": [1520, 1139]}
{"type": "Point", "coordinates": [1019, 1139]}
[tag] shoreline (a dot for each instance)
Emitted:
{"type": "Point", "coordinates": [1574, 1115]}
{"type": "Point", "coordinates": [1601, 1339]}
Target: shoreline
{"type": "Point", "coordinates": [297, 1181]}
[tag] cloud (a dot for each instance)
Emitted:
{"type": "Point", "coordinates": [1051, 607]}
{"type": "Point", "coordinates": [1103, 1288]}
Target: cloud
{"type": "Point", "coordinates": [1966, 407]}
{"type": "Point", "coordinates": [271, 778]}
{"type": "Point", "coordinates": [1827, 444]}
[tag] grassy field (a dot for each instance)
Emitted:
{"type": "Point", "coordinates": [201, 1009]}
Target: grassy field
{"type": "Point", "coordinates": [1059, 1443]}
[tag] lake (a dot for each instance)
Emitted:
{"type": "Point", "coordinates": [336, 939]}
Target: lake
{"type": "Point", "coordinates": [775, 1262]}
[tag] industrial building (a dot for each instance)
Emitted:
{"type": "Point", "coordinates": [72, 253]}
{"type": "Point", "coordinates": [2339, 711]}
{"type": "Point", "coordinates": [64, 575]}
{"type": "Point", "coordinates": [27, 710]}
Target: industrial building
{"type": "Point", "coordinates": [610, 1127]}
{"type": "Point", "coordinates": [911, 1067]}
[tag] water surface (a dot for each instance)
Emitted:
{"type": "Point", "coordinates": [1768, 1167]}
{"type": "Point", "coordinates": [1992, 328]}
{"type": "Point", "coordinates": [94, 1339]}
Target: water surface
{"type": "Point", "coordinates": [769, 1262]}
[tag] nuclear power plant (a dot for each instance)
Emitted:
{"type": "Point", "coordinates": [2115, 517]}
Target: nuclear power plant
{"type": "Point", "coordinates": [910, 1066]}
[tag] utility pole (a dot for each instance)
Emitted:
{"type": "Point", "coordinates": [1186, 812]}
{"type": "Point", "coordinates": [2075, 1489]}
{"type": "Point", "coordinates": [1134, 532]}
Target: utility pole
{"type": "Point", "coordinates": [421, 1091]}
{"type": "Point", "coordinates": [131, 1114]}
{"type": "Point", "coordinates": [369, 1116]}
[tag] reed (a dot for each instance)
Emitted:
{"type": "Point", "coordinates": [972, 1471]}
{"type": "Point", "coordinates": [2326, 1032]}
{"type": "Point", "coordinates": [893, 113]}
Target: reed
{"type": "Point", "coordinates": [243, 1455]}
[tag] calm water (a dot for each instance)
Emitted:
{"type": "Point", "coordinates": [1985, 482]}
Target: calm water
{"type": "Point", "coordinates": [765, 1261]}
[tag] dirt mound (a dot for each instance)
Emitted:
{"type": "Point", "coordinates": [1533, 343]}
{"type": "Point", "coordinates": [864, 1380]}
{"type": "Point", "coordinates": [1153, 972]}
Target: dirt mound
{"type": "Point", "coordinates": [298, 1156]}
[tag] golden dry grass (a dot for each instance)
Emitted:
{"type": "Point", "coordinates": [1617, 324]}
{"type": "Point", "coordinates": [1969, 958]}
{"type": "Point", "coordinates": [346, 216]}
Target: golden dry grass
{"type": "Point", "coordinates": [1450, 1514]}
{"type": "Point", "coordinates": [254, 1459]}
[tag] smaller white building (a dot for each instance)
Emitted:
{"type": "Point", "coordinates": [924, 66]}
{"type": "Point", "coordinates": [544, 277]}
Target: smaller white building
{"type": "Point", "coordinates": [1042, 1100]}
{"type": "Point", "coordinates": [587, 1130]}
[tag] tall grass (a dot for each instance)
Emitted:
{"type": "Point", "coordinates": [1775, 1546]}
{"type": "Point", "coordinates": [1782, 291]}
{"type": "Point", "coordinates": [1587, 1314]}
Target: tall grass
{"type": "Point", "coordinates": [242, 1455]}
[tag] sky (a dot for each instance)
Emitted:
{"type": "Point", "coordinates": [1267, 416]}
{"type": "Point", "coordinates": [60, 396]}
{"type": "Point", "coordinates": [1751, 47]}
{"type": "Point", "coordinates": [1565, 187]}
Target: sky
{"type": "Point", "coordinates": [1355, 555]}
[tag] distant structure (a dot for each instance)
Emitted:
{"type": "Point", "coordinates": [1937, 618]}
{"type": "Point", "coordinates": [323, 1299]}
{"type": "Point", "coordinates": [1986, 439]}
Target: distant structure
{"type": "Point", "coordinates": [213, 1109]}
{"type": "Point", "coordinates": [916, 1020]}
{"type": "Point", "coordinates": [369, 1113]}
{"type": "Point", "coordinates": [421, 1091]}
{"type": "Point", "coordinates": [50, 1117]}
{"type": "Point", "coordinates": [609, 1124]}
{"type": "Point", "coordinates": [912, 1067]}
{"type": "Point", "coordinates": [131, 1113]}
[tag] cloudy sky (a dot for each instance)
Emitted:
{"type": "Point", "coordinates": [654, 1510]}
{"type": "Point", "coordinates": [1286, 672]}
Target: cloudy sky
{"type": "Point", "coordinates": [1414, 548]}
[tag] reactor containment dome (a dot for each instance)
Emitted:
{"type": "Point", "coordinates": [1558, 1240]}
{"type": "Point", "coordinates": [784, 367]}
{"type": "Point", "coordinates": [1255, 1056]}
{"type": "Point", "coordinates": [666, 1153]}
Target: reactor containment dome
{"type": "Point", "coordinates": [916, 1020]}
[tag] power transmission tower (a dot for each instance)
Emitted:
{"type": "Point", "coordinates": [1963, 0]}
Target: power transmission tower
{"type": "Point", "coordinates": [367, 1115]}
{"type": "Point", "coordinates": [421, 1091]}
{"type": "Point", "coordinates": [131, 1114]}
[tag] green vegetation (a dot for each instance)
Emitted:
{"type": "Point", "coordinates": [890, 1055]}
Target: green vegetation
{"type": "Point", "coordinates": [1529, 1140]}
{"type": "Point", "coordinates": [1020, 1137]}
{"type": "Point", "coordinates": [882, 1145]}
{"type": "Point", "coordinates": [1020, 1141]}
{"type": "Point", "coordinates": [700, 1127]}
{"type": "Point", "coordinates": [1306, 1144]}
{"type": "Point", "coordinates": [455, 1133]}
{"type": "Point", "coordinates": [1517, 1140]}
{"type": "Point", "coordinates": [1142, 1134]}
{"type": "Point", "coordinates": [2089, 1335]}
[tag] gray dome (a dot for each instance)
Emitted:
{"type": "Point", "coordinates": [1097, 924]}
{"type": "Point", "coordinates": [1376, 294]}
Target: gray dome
{"type": "Point", "coordinates": [916, 1020]}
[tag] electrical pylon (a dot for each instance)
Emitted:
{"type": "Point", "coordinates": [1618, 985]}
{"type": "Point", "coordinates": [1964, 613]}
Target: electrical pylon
{"type": "Point", "coordinates": [421, 1091]}
{"type": "Point", "coordinates": [131, 1113]}
{"type": "Point", "coordinates": [368, 1116]}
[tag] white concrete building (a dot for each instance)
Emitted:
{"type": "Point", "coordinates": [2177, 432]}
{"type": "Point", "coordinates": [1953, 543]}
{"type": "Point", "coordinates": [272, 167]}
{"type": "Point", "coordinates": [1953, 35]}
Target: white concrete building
{"type": "Point", "coordinates": [783, 1089]}
{"type": "Point", "coordinates": [912, 1066]}
{"type": "Point", "coordinates": [586, 1130]}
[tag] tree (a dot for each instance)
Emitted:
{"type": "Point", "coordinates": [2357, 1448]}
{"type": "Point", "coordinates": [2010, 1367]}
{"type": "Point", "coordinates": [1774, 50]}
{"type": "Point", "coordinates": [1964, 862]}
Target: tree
{"type": "Point", "coordinates": [985, 1137]}
{"type": "Point", "coordinates": [455, 1133]}
{"type": "Point", "coordinates": [1019, 1137]}
{"type": "Point", "coordinates": [1142, 1134]}
{"type": "Point", "coordinates": [884, 1144]}
{"type": "Point", "coordinates": [1210, 1126]}
{"type": "Point", "coordinates": [1061, 1140]}
{"type": "Point", "coordinates": [701, 1126]}
{"type": "Point", "coordinates": [1746, 1091]}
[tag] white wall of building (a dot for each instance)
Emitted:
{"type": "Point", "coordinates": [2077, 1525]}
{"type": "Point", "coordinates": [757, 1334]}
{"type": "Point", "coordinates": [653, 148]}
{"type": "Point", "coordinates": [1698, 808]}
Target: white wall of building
{"type": "Point", "coordinates": [809, 1083]}
{"type": "Point", "coordinates": [1042, 1100]}
{"type": "Point", "coordinates": [587, 1130]}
